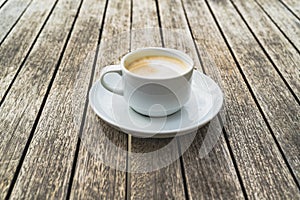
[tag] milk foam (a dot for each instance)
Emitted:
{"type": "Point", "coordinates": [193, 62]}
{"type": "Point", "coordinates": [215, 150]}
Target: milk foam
{"type": "Point", "coordinates": [158, 67]}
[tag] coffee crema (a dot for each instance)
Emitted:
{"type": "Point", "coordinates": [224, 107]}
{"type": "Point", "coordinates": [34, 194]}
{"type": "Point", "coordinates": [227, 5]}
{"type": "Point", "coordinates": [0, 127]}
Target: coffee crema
{"type": "Point", "coordinates": [157, 67]}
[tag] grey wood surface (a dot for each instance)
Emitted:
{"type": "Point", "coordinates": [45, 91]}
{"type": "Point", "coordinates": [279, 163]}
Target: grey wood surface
{"type": "Point", "coordinates": [252, 161]}
{"type": "Point", "coordinates": [53, 145]}
{"type": "Point", "coordinates": [9, 15]}
{"type": "Point", "coordinates": [285, 57]}
{"type": "Point", "coordinates": [261, 73]}
{"type": "Point", "coordinates": [14, 51]}
{"type": "Point", "coordinates": [293, 5]}
{"type": "Point", "coordinates": [21, 106]}
{"type": "Point", "coordinates": [145, 154]}
{"type": "Point", "coordinates": [101, 144]}
{"type": "Point", "coordinates": [2, 3]}
{"type": "Point", "coordinates": [64, 106]}
{"type": "Point", "coordinates": [284, 19]}
{"type": "Point", "coordinates": [210, 176]}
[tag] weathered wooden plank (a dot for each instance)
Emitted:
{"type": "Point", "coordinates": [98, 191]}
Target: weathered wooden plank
{"type": "Point", "coordinates": [145, 29]}
{"type": "Point", "coordinates": [266, 84]}
{"type": "Point", "coordinates": [213, 176]}
{"type": "Point", "coordinates": [156, 167]}
{"type": "Point", "coordinates": [293, 5]}
{"type": "Point", "coordinates": [20, 109]}
{"type": "Point", "coordinates": [100, 170]}
{"type": "Point", "coordinates": [155, 174]}
{"type": "Point", "coordinates": [13, 50]}
{"type": "Point", "coordinates": [282, 53]}
{"type": "Point", "coordinates": [284, 19]}
{"type": "Point", "coordinates": [47, 167]}
{"type": "Point", "coordinates": [9, 15]}
{"type": "Point", "coordinates": [175, 30]}
{"type": "Point", "coordinates": [260, 164]}
{"type": "Point", "coordinates": [210, 173]}
{"type": "Point", "coordinates": [2, 3]}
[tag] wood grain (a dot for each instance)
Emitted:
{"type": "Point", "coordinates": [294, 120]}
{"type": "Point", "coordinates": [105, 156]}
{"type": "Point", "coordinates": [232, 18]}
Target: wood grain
{"type": "Point", "coordinates": [294, 5]}
{"type": "Point", "coordinates": [14, 50]}
{"type": "Point", "coordinates": [209, 170]}
{"type": "Point", "coordinates": [9, 15]}
{"type": "Point", "coordinates": [145, 30]}
{"type": "Point", "coordinates": [262, 169]}
{"type": "Point", "coordinates": [282, 53]}
{"type": "Point", "coordinates": [157, 169]}
{"type": "Point", "coordinates": [47, 168]}
{"type": "Point", "coordinates": [266, 84]}
{"type": "Point", "coordinates": [155, 175]}
{"type": "Point", "coordinates": [100, 170]}
{"type": "Point", "coordinates": [19, 111]}
{"type": "Point", "coordinates": [176, 33]}
{"type": "Point", "coordinates": [53, 137]}
{"type": "Point", "coordinates": [284, 19]}
{"type": "Point", "coordinates": [212, 176]}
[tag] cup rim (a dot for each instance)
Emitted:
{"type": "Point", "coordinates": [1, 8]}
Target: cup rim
{"type": "Point", "coordinates": [190, 60]}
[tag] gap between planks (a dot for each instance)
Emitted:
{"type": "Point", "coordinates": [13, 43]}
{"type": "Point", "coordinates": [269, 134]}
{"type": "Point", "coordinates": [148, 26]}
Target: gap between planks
{"type": "Point", "coordinates": [284, 32]}
{"type": "Point", "coordinates": [11, 187]}
{"type": "Point", "coordinates": [2, 3]}
{"type": "Point", "coordinates": [266, 53]}
{"type": "Point", "coordinates": [254, 98]}
{"type": "Point", "coordinates": [219, 117]}
{"type": "Point", "coordinates": [289, 8]}
{"type": "Point", "coordinates": [27, 55]}
{"type": "Point", "coordinates": [73, 171]}
{"type": "Point", "coordinates": [84, 186]}
{"type": "Point", "coordinates": [182, 169]}
{"type": "Point", "coordinates": [3, 37]}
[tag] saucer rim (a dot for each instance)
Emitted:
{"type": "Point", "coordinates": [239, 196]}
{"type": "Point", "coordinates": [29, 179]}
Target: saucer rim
{"type": "Point", "coordinates": [163, 133]}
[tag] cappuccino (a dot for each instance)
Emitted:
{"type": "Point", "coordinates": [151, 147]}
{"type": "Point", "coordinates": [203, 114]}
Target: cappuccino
{"type": "Point", "coordinates": [157, 67]}
{"type": "Point", "coordinates": [156, 81]}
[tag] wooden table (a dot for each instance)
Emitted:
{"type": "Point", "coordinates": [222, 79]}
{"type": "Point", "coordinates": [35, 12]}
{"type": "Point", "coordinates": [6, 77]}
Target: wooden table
{"type": "Point", "coordinates": [52, 52]}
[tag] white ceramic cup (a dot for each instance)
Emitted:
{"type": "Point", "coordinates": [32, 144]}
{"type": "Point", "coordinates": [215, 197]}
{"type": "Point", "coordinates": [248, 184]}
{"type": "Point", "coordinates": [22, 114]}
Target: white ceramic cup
{"type": "Point", "coordinates": [154, 97]}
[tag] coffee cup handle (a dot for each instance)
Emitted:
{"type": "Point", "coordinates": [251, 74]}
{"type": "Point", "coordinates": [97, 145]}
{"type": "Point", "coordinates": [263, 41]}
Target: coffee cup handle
{"type": "Point", "coordinates": [111, 69]}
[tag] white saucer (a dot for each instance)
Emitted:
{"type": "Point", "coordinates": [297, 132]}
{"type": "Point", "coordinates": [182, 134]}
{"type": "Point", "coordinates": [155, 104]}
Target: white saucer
{"type": "Point", "coordinates": [204, 104]}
